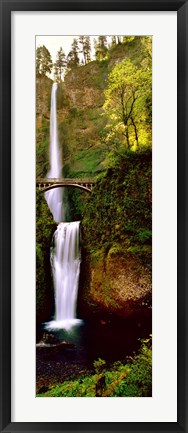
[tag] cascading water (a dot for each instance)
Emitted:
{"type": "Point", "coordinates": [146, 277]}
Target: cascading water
{"type": "Point", "coordinates": [65, 260]}
{"type": "Point", "coordinates": [54, 197]}
{"type": "Point", "coordinates": [65, 252]}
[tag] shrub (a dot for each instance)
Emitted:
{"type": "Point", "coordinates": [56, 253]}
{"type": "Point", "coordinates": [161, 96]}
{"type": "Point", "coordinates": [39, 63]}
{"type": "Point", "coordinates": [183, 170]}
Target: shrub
{"type": "Point", "coordinates": [131, 379]}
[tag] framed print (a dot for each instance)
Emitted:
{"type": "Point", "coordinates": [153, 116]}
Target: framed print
{"type": "Point", "coordinates": [93, 167]}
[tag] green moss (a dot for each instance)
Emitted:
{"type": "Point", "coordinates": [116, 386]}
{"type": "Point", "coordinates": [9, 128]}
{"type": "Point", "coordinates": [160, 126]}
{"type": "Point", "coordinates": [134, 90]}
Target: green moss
{"type": "Point", "coordinates": [117, 215]}
{"type": "Point", "coordinates": [116, 249]}
{"type": "Point", "coordinates": [131, 379]}
{"type": "Point", "coordinates": [45, 227]}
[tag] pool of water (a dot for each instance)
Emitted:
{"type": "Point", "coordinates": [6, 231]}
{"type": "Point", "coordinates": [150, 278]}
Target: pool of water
{"type": "Point", "coordinates": [110, 340]}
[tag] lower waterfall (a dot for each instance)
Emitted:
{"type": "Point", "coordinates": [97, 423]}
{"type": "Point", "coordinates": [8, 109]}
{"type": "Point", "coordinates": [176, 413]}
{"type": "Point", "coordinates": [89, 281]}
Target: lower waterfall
{"type": "Point", "coordinates": [65, 262]}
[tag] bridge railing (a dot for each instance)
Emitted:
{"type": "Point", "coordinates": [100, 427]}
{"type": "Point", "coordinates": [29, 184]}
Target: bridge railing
{"type": "Point", "coordinates": [45, 184]}
{"type": "Point", "coordinates": [65, 180]}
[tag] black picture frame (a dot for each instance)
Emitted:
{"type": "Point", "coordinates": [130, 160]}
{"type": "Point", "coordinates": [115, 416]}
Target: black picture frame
{"type": "Point", "coordinates": [6, 7]}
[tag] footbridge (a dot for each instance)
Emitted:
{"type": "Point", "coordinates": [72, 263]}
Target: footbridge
{"type": "Point", "coordinates": [49, 183]}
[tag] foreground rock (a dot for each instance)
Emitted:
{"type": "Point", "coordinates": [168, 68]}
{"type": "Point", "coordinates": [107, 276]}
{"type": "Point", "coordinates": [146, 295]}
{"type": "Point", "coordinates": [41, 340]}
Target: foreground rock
{"type": "Point", "coordinates": [49, 340]}
{"type": "Point", "coordinates": [117, 284]}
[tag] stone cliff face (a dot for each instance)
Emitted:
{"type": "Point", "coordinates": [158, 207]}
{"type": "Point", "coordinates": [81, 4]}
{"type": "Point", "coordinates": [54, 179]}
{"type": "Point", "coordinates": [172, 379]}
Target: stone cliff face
{"type": "Point", "coordinates": [82, 87]}
{"type": "Point", "coordinates": [43, 95]}
{"type": "Point", "coordinates": [119, 284]}
{"type": "Point", "coordinates": [82, 98]}
{"type": "Point", "coordinates": [116, 269]}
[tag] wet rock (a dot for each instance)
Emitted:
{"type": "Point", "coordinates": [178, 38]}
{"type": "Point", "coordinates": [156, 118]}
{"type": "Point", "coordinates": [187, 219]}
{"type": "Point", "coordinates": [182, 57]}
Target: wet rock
{"type": "Point", "coordinates": [49, 338]}
{"type": "Point", "coordinates": [67, 345]}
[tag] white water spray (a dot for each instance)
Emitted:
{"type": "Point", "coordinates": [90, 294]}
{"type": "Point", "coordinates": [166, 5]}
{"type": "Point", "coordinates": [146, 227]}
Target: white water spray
{"type": "Point", "coordinates": [54, 197]}
{"type": "Point", "coordinates": [65, 254]}
{"type": "Point", "coordinates": [65, 259]}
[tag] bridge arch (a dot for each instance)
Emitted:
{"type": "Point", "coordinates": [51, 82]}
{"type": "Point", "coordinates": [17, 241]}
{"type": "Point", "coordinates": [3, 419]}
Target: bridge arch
{"type": "Point", "coordinates": [46, 184]}
{"type": "Point", "coordinates": [48, 188]}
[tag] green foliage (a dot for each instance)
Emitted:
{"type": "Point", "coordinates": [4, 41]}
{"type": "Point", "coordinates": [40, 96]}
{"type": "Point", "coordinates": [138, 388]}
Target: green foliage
{"type": "Point", "coordinates": [80, 134]}
{"type": "Point", "coordinates": [138, 383]}
{"type": "Point", "coordinates": [99, 365]}
{"type": "Point", "coordinates": [62, 100]}
{"type": "Point", "coordinates": [73, 57]}
{"type": "Point", "coordinates": [128, 39]}
{"type": "Point", "coordinates": [85, 48]}
{"type": "Point", "coordinates": [75, 198]}
{"type": "Point", "coordinates": [59, 64]}
{"type": "Point", "coordinates": [43, 61]}
{"type": "Point", "coordinates": [45, 227]}
{"type": "Point", "coordinates": [129, 87]}
{"type": "Point", "coordinates": [99, 79]}
{"type": "Point", "coordinates": [43, 96]}
{"type": "Point", "coordinates": [144, 235]}
{"type": "Point", "coordinates": [42, 149]}
{"type": "Point", "coordinates": [100, 46]}
{"type": "Point", "coordinates": [116, 248]}
{"type": "Point", "coordinates": [120, 206]}
{"type": "Point", "coordinates": [130, 379]}
{"type": "Point", "coordinates": [113, 41]}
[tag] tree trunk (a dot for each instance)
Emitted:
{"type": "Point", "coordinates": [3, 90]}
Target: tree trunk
{"type": "Point", "coordinates": [125, 118]}
{"type": "Point", "coordinates": [127, 137]}
{"type": "Point", "coordinates": [135, 130]}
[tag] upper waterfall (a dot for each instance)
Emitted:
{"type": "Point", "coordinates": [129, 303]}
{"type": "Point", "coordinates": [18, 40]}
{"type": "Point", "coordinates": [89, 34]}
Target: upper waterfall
{"type": "Point", "coordinates": [54, 197]}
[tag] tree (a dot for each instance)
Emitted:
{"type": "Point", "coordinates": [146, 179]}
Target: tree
{"type": "Point", "coordinates": [85, 48]}
{"type": "Point", "coordinates": [119, 39]}
{"type": "Point", "coordinates": [43, 61]}
{"type": "Point", "coordinates": [146, 42]}
{"type": "Point", "coordinates": [100, 46]}
{"type": "Point", "coordinates": [73, 57]}
{"type": "Point", "coordinates": [60, 64]}
{"type": "Point", "coordinates": [147, 66]}
{"type": "Point", "coordinates": [128, 90]}
{"type": "Point", "coordinates": [116, 40]}
{"type": "Point", "coordinates": [81, 43]}
{"type": "Point", "coordinates": [113, 41]}
{"type": "Point", "coordinates": [127, 39]}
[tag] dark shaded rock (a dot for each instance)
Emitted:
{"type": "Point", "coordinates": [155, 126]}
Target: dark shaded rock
{"type": "Point", "coordinates": [43, 389]}
{"type": "Point", "coordinates": [49, 338]}
{"type": "Point", "coordinates": [100, 386]}
{"type": "Point", "coordinates": [115, 285]}
{"type": "Point", "coordinates": [67, 345]}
